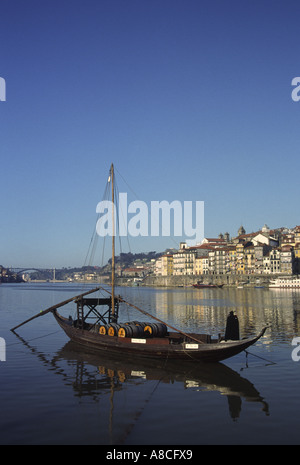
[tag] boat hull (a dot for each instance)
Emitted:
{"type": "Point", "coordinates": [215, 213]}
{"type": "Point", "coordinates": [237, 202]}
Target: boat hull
{"type": "Point", "coordinates": [155, 348]}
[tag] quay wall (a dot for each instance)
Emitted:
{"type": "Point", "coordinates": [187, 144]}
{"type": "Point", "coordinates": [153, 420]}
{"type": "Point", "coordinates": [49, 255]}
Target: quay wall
{"type": "Point", "coordinates": [225, 280]}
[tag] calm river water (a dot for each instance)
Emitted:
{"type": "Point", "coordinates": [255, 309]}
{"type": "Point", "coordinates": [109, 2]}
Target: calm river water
{"type": "Point", "coordinates": [53, 393]}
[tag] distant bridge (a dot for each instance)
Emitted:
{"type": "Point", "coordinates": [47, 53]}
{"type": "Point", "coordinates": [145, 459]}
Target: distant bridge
{"type": "Point", "coordinates": [29, 269]}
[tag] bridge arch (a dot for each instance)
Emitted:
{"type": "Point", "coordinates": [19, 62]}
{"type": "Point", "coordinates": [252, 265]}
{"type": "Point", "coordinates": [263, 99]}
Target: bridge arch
{"type": "Point", "coordinates": [31, 269]}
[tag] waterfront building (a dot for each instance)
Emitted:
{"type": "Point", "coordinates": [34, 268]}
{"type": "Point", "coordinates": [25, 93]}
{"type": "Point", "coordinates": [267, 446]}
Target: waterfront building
{"type": "Point", "coordinates": [232, 258]}
{"type": "Point", "coordinates": [158, 266]}
{"type": "Point", "coordinates": [214, 242]}
{"type": "Point", "coordinates": [178, 263]}
{"type": "Point", "coordinates": [297, 250]}
{"type": "Point", "coordinates": [135, 272]}
{"type": "Point", "coordinates": [201, 265]}
{"type": "Point", "coordinates": [198, 266]}
{"type": "Point", "coordinates": [287, 259]}
{"type": "Point", "coordinates": [275, 260]}
{"type": "Point", "coordinates": [259, 251]}
{"type": "Point", "coordinates": [220, 260]}
{"type": "Point", "coordinates": [240, 265]}
{"type": "Point", "coordinates": [266, 264]}
{"type": "Point", "coordinates": [264, 238]}
{"type": "Point", "coordinates": [297, 234]}
{"type": "Point", "coordinates": [201, 250]}
{"type": "Point", "coordinates": [249, 258]}
{"type": "Point", "coordinates": [189, 262]}
{"type": "Point", "coordinates": [167, 265]}
{"type": "Point", "coordinates": [244, 238]}
{"type": "Point", "coordinates": [183, 262]}
{"type": "Point", "coordinates": [297, 256]}
{"type": "Point", "coordinates": [288, 239]}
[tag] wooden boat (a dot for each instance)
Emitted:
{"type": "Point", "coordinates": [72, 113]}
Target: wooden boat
{"type": "Point", "coordinates": [172, 346]}
{"type": "Point", "coordinates": [141, 339]}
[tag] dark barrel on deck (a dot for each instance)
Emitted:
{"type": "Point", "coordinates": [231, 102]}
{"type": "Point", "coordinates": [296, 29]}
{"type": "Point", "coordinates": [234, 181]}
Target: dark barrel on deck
{"type": "Point", "coordinates": [155, 330]}
{"type": "Point", "coordinates": [130, 330]}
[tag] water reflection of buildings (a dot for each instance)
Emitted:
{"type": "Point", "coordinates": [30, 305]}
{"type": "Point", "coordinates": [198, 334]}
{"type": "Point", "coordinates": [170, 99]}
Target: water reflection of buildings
{"type": "Point", "coordinates": [207, 310]}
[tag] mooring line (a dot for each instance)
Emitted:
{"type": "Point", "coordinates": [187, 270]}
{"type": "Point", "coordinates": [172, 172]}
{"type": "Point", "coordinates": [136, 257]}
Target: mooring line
{"type": "Point", "coordinates": [258, 356]}
{"type": "Point", "coordinates": [33, 339]}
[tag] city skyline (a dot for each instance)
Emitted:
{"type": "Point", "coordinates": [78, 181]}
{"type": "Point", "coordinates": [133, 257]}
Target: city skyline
{"type": "Point", "coordinates": [190, 101]}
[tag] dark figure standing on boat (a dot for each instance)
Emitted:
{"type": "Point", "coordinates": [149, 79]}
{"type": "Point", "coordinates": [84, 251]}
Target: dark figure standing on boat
{"type": "Point", "coordinates": [232, 332]}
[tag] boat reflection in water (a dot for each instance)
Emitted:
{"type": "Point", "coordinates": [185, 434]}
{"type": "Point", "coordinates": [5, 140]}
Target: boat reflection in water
{"type": "Point", "coordinates": [122, 388]}
{"type": "Point", "coordinates": [115, 373]}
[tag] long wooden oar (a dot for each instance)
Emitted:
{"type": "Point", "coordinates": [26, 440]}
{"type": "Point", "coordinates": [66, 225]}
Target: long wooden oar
{"type": "Point", "coordinates": [61, 304]}
{"type": "Point", "coordinates": [155, 318]}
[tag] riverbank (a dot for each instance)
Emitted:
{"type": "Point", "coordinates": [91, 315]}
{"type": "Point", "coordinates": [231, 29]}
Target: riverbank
{"type": "Point", "coordinates": [253, 280]}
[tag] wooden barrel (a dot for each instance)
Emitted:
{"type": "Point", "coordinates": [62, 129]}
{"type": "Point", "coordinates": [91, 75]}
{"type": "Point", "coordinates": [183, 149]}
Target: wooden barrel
{"type": "Point", "coordinates": [113, 329]}
{"type": "Point", "coordinates": [136, 323]}
{"type": "Point", "coordinates": [162, 329]}
{"type": "Point", "coordinates": [148, 330]}
{"type": "Point", "coordinates": [156, 330]}
{"type": "Point", "coordinates": [137, 331]}
{"type": "Point", "coordinates": [142, 324]}
{"type": "Point", "coordinates": [103, 330]}
{"type": "Point", "coordinates": [131, 330]}
{"type": "Point", "coordinates": [123, 330]}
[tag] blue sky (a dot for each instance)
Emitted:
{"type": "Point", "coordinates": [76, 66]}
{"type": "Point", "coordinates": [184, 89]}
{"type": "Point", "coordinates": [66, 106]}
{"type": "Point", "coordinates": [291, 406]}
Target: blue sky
{"type": "Point", "coordinates": [191, 100]}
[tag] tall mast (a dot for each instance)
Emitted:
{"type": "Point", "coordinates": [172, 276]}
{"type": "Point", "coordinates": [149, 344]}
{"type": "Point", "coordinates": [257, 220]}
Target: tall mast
{"type": "Point", "coordinates": [113, 243]}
